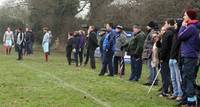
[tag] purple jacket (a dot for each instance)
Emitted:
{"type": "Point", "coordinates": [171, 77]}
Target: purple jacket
{"type": "Point", "coordinates": [190, 41]}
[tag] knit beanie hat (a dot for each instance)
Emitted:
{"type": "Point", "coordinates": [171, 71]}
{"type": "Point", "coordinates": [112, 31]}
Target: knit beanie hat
{"type": "Point", "coordinates": [192, 14]}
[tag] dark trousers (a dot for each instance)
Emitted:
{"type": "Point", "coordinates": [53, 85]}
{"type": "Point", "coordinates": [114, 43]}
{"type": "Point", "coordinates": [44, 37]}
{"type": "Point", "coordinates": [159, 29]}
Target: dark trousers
{"type": "Point", "coordinates": [136, 68]}
{"type": "Point", "coordinates": [87, 57]}
{"type": "Point", "coordinates": [165, 75]}
{"type": "Point", "coordinates": [20, 54]}
{"type": "Point", "coordinates": [81, 56]}
{"type": "Point", "coordinates": [68, 55]}
{"type": "Point", "coordinates": [188, 79]}
{"type": "Point", "coordinates": [76, 56]}
{"type": "Point", "coordinates": [92, 58]}
{"type": "Point", "coordinates": [196, 70]}
{"type": "Point", "coordinates": [107, 61]}
{"type": "Point", "coordinates": [119, 60]}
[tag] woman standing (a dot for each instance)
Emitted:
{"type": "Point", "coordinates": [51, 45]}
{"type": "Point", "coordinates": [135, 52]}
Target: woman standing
{"type": "Point", "coordinates": [45, 43]}
{"type": "Point", "coordinates": [20, 43]}
{"type": "Point", "coordinates": [8, 41]}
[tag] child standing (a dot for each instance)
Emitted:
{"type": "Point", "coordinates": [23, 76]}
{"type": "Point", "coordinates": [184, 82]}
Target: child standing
{"type": "Point", "coordinates": [8, 41]}
{"type": "Point", "coordinates": [45, 43]}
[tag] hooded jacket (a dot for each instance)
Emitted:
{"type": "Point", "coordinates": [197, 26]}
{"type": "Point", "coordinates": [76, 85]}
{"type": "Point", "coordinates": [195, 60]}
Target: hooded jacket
{"type": "Point", "coordinates": [190, 40]}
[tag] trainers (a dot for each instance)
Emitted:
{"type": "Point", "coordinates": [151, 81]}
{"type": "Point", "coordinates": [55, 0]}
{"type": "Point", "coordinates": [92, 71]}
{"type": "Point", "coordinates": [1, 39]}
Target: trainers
{"type": "Point", "coordinates": [163, 95]}
{"type": "Point", "coordinates": [179, 98]}
{"type": "Point", "coordinates": [172, 97]}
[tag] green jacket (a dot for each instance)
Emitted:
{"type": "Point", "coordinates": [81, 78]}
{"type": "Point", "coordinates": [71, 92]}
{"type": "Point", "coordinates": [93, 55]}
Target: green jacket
{"type": "Point", "coordinates": [135, 45]}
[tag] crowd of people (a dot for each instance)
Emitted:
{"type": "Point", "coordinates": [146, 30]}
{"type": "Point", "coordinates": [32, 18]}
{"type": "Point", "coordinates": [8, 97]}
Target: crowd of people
{"type": "Point", "coordinates": [22, 41]}
{"type": "Point", "coordinates": [172, 50]}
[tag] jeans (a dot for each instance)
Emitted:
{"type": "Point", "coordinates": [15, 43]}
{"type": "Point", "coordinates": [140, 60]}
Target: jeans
{"type": "Point", "coordinates": [188, 77]}
{"type": "Point", "coordinates": [107, 61]}
{"type": "Point", "coordinates": [136, 68]}
{"type": "Point", "coordinates": [152, 71]}
{"type": "Point", "coordinates": [175, 77]}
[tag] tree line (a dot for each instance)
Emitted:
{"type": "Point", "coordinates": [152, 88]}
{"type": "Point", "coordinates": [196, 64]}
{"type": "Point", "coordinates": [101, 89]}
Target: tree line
{"type": "Point", "coordinates": [59, 15]}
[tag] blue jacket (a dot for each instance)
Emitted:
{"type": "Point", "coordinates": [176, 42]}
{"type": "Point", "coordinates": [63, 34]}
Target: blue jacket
{"type": "Point", "coordinates": [190, 41]}
{"type": "Point", "coordinates": [109, 42]}
{"type": "Point", "coordinates": [76, 41]}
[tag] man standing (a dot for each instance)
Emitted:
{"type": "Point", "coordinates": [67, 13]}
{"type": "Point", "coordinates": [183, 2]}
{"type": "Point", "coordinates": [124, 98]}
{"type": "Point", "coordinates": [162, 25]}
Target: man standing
{"type": "Point", "coordinates": [119, 51]}
{"type": "Point", "coordinates": [108, 50]}
{"type": "Point", "coordinates": [92, 45]}
{"type": "Point", "coordinates": [29, 38]}
{"type": "Point", "coordinates": [135, 49]}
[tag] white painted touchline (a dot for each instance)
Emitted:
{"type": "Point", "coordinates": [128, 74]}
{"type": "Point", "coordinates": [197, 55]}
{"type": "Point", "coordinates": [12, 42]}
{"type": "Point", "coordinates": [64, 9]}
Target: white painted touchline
{"type": "Point", "coordinates": [65, 85]}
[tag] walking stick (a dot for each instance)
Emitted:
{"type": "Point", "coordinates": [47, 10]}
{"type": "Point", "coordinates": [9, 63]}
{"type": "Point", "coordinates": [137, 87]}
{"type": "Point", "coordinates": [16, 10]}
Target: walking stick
{"type": "Point", "coordinates": [155, 79]}
{"type": "Point", "coordinates": [121, 67]}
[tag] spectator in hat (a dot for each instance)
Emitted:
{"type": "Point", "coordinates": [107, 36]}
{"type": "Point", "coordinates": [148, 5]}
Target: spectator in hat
{"type": "Point", "coordinates": [119, 51]}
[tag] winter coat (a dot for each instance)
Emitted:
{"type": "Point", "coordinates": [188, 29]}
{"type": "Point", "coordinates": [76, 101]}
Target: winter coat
{"type": "Point", "coordinates": [20, 39]}
{"type": "Point", "coordinates": [109, 42]}
{"type": "Point", "coordinates": [92, 40]}
{"type": "Point", "coordinates": [45, 42]}
{"type": "Point", "coordinates": [121, 40]}
{"type": "Point", "coordinates": [175, 48]}
{"type": "Point", "coordinates": [148, 45]}
{"type": "Point", "coordinates": [70, 43]}
{"type": "Point", "coordinates": [101, 43]}
{"type": "Point", "coordinates": [135, 45]}
{"type": "Point", "coordinates": [166, 44]}
{"type": "Point", "coordinates": [190, 40]}
{"type": "Point", "coordinates": [76, 41]}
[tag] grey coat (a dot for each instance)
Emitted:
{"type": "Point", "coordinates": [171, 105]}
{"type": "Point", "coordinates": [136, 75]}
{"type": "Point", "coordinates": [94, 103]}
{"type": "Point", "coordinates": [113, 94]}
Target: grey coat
{"type": "Point", "coordinates": [148, 45]}
{"type": "Point", "coordinates": [121, 40]}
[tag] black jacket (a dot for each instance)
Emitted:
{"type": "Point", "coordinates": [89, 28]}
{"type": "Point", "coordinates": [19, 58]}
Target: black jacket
{"type": "Point", "coordinates": [69, 43]}
{"type": "Point", "coordinates": [92, 41]}
{"type": "Point", "coordinates": [175, 49]}
{"type": "Point", "coordinates": [29, 37]}
{"type": "Point", "coordinates": [166, 44]}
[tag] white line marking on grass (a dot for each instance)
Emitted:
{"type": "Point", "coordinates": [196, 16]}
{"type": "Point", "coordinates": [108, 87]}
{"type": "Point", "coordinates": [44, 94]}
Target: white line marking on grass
{"type": "Point", "coordinates": [66, 85]}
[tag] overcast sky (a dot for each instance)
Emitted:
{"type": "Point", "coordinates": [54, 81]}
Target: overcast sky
{"type": "Point", "coordinates": [1, 2]}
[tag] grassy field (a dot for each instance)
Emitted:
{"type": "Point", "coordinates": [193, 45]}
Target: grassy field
{"type": "Point", "coordinates": [34, 83]}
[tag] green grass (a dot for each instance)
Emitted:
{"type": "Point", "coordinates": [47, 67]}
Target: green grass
{"type": "Point", "coordinates": [34, 83]}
